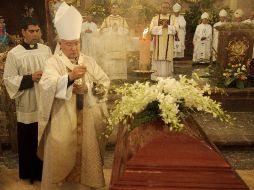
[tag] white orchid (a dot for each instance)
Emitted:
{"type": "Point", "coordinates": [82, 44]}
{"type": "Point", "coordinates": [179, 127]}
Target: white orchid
{"type": "Point", "coordinates": [169, 93]}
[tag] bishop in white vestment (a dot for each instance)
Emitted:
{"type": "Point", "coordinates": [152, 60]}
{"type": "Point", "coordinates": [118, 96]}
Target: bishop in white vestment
{"type": "Point", "coordinates": [223, 14]}
{"type": "Point", "coordinates": [71, 113]}
{"type": "Point", "coordinates": [163, 28]}
{"type": "Point", "coordinates": [202, 41]}
{"type": "Point", "coordinates": [179, 46]}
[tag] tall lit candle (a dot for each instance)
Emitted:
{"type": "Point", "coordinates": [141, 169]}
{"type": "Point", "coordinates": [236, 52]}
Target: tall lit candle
{"type": "Point", "coordinates": [144, 51]}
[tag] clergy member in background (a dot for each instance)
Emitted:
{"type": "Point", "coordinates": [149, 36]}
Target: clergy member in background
{"type": "Point", "coordinates": [72, 126]}
{"type": "Point", "coordinates": [163, 28]}
{"type": "Point", "coordinates": [238, 16]}
{"type": "Point", "coordinates": [23, 70]}
{"type": "Point", "coordinates": [223, 16]}
{"type": "Point", "coordinates": [179, 46]}
{"type": "Point", "coordinates": [202, 41]}
{"type": "Point", "coordinates": [250, 20]}
{"type": "Point", "coordinates": [88, 37]}
{"type": "Point", "coordinates": [114, 30]}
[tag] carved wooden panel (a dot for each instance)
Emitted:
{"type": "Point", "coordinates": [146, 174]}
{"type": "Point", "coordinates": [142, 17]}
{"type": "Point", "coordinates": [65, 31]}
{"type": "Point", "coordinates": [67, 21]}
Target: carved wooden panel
{"type": "Point", "coordinates": [235, 46]}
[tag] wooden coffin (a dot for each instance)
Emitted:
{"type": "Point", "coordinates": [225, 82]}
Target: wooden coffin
{"type": "Point", "coordinates": [152, 158]}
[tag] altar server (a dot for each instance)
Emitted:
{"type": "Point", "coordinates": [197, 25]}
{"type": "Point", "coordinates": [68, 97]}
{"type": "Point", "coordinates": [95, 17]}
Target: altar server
{"type": "Point", "coordinates": [23, 70]}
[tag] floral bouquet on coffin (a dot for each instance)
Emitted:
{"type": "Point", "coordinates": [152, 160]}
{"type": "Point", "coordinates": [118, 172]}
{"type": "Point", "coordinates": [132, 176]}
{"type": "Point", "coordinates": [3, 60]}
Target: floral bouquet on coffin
{"type": "Point", "coordinates": [168, 99]}
{"type": "Point", "coordinates": [235, 75]}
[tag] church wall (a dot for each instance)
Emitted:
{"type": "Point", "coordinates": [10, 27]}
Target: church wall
{"type": "Point", "coordinates": [246, 5]}
{"type": "Point", "coordinates": [12, 11]}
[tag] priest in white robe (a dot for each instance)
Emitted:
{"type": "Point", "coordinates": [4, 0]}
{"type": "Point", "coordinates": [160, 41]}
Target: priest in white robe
{"type": "Point", "coordinates": [71, 112]}
{"type": "Point", "coordinates": [89, 35]}
{"type": "Point", "coordinates": [23, 70]}
{"type": "Point", "coordinates": [179, 43]}
{"type": "Point", "coordinates": [202, 41]}
{"type": "Point", "coordinates": [223, 16]}
{"type": "Point", "coordinates": [163, 28]}
{"type": "Point", "coordinates": [114, 30]}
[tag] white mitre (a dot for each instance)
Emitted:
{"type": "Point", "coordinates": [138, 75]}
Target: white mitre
{"type": "Point", "coordinates": [223, 13]}
{"type": "Point", "coordinates": [205, 15]}
{"type": "Point", "coordinates": [176, 8]}
{"type": "Point", "coordinates": [238, 13]}
{"type": "Point", "coordinates": [68, 22]}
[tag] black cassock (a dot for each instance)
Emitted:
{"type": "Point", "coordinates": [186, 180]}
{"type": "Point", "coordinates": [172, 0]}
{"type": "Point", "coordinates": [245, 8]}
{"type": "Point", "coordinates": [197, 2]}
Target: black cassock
{"type": "Point", "coordinates": [30, 166]}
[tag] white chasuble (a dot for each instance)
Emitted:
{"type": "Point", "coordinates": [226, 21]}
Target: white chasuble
{"type": "Point", "coordinates": [163, 45]}
{"type": "Point", "coordinates": [70, 145]}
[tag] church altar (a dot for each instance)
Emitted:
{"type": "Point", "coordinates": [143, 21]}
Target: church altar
{"type": "Point", "coordinates": [236, 100]}
{"type": "Point", "coordinates": [235, 43]}
{"type": "Point", "coordinates": [150, 157]}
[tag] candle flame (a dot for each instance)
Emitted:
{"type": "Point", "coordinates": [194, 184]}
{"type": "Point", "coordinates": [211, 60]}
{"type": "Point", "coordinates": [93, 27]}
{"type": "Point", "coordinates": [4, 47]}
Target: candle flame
{"type": "Point", "coordinates": [145, 32]}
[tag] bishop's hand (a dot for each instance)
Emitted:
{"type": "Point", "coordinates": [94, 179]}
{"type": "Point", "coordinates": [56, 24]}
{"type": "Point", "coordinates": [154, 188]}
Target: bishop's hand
{"type": "Point", "coordinates": [79, 89]}
{"type": "Point", "coordinates": [77, 73]}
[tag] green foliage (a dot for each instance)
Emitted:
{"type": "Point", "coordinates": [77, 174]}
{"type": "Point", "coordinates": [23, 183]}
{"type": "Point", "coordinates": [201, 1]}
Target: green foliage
{"type": "Point", "coordinates": [235, 75]}
{"type": "Point", "coordinates": [192, 17]}
{"type": "Point", "coordinates": [195, 11]}
{"type": "Point", "coordinates": [100, 9]}
{"type": "Point", "coordinates": [151, 113]}
{"type": "Point", "coordinates": [141, 12]}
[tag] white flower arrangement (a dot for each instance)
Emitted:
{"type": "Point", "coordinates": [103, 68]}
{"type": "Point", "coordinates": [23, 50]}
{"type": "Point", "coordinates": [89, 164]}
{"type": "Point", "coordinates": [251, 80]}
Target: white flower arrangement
{"type": "Point", "coordinates": [169, 93]}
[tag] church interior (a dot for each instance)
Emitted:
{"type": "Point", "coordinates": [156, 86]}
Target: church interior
{"type": "Point", "coordinates": [179, 108]}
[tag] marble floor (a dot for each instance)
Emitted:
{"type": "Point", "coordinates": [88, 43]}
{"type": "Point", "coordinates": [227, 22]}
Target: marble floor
{"type": "Point", "coordinates": [9, 180]}
{"type": "Point", "coordinates": [9, 173]}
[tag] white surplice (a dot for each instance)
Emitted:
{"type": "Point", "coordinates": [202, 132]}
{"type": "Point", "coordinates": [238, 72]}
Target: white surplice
{"type": "Point", "coordinates": [22, 62]}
